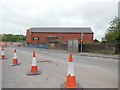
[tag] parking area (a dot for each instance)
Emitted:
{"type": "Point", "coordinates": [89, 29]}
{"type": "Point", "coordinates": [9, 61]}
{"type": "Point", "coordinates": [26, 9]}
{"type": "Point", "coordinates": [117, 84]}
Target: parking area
{"type": "Point", "coordinates": [90, 72]}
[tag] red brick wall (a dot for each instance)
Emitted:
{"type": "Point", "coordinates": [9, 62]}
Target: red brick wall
{"type": "Point", "coordinates": [28, 37]}
{"type": "Point", "coordinates": [87, 38]}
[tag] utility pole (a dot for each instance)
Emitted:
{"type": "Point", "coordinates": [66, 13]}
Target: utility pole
{"type": "Point", "coordinates": [81, 41]}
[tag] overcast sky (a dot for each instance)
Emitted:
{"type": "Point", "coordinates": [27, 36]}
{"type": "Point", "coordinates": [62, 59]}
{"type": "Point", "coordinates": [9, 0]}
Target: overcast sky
{"type": "Point", "coordinates": [19, 15]}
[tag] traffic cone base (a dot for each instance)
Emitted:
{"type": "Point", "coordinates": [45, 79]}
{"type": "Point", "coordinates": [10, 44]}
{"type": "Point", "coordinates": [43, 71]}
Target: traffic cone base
{"type": "Point", "coordinates": [34, 69]}
{"type": "Point", "coordinates": [34, 73]}
{"type": "Point", "coordinates": [15, 64]}
{"type": "Point", "coordinates": [71, 82]}
{"type": "Point", "coordinates": [63, 86]}
{"type": "Point", "coordinates": [3, 58]}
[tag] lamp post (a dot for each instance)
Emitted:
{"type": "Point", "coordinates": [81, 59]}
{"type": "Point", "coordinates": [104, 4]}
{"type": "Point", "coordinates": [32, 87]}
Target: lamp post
{"type": "Point", "coordinates": [81, 41]}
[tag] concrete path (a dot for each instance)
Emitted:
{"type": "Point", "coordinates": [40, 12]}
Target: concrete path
{"type": "Point", "coordinates": [87, 54]}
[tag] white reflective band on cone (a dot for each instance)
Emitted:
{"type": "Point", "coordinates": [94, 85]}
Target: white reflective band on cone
{"type": "Point", "coordinates": [2, 53]}
{"type": "Point", "coordinates": [34, 61]}
{"type": "Point", "coordinates": [15, 56]}
{"type": "Point", "coordinates": [70, 69]}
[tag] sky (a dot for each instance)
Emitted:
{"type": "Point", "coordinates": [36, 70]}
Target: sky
{"type": "Point", "coordinates": [16, 16]}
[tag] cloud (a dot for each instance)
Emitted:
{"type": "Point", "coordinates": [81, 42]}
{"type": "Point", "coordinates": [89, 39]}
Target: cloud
{"type": "Point", "coordinates": [18, 15]}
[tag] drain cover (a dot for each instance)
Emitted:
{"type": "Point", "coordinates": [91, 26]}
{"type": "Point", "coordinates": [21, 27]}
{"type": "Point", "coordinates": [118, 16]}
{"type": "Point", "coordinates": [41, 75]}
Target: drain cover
{"type": "Point", "coordinates": [44, 61]}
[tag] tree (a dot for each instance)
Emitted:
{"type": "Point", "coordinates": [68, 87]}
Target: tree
{"type": "Point", "coordinates": [113, 32]}
{"type": "Point", "coordinates": [13, 38]}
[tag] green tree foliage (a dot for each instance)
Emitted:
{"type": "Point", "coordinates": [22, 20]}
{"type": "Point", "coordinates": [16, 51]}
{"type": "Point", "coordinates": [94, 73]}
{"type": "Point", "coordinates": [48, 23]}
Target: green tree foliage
{"type": "Point", "coordinates": [113, 32]}
{"type": "Point", "coordinates": [13, 38]}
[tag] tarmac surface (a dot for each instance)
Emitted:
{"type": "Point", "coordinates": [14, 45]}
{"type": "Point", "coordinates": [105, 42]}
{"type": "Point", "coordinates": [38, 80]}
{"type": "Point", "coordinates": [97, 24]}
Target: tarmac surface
{"type": "Point", "coordinates": [91, 72]}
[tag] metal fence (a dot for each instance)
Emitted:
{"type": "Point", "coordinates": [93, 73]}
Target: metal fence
{"type": "Point", "coordinates": [73, 45]}
{"type": "Point", "coordinates": [45, 46]}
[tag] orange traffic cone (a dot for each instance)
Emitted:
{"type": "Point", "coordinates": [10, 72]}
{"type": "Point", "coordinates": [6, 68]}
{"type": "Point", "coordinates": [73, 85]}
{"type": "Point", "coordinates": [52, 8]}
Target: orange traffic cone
{"type": "Point", "coordinates": [71, 79]}
{"type": "Point", "coordinates": [34, 68]}
{"type": "Point", "coordinates": [3, 54]}
{"type": "Point", "coordinates": [15, 59]}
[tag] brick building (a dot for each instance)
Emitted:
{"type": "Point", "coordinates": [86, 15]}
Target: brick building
{"type": "Point", "coordinates": [43, 35]}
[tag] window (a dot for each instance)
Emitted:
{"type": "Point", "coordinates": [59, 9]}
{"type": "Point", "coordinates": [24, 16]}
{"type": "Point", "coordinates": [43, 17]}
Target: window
{"type": "Point", "coordinates": [36, 38]}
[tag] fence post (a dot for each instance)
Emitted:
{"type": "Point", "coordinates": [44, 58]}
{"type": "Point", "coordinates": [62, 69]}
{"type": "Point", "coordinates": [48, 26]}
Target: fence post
{"type": "Point", "coordinates": [81, 41]}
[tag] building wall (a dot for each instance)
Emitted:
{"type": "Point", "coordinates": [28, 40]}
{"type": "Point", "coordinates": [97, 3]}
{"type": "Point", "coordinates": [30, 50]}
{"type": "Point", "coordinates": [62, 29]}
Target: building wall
{"type": "Point", "coordinates": [28, 37]}
{"type": "Point", "coordinates": [87, 38]}
{"type": "Point", "coordinates": [104, 48]}
{"type": "Point", "coordinates": [64, 37]}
